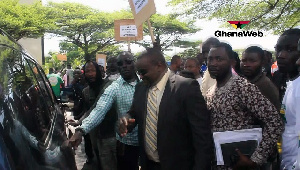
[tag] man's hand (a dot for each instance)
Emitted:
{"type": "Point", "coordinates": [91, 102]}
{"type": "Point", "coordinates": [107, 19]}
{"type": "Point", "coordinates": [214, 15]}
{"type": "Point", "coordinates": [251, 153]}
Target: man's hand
{"type": "Point", "coordinates": [76, 139]}
{"type": "Point", "coordinates": [73, 123]}
{"type": "Point", "coordinates": [244, 162]}
{"type": "Point", "coordinates": [124, 122]}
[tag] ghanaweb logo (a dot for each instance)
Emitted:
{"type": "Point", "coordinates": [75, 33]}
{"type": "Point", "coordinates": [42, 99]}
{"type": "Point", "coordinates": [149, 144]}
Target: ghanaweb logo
{"type": "Point", "coordinates": [240, 25]}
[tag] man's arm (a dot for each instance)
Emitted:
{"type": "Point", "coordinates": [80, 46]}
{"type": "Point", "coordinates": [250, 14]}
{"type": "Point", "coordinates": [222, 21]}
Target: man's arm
{"type": "Point", "coordinates": [266, 112]}
{"type": "Point", "coordinates": [102, 107]}
{"type": "Point", "coordinates": [199, 119]}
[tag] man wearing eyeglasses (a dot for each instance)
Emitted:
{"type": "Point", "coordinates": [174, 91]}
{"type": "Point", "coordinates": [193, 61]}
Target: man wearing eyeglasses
{"type": "Point", "coordinates": [120, 95]}
{"type": "Point", "coordinates": [173, 121]}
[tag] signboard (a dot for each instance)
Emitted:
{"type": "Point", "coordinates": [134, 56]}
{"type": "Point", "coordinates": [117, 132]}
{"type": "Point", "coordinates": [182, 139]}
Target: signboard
{"type": "Point", "coordinates": [125, 30]}
{"type": "Point", "coordinates": [142, 10]}
{"type": "Point", "coordinates": [101, 60]}
{"type": "Point", "coordinates": [128, 31]}
{"type": "Point", "coordinates": [139, 5]}
{"type": "Point", "coordinates": [62, 57]}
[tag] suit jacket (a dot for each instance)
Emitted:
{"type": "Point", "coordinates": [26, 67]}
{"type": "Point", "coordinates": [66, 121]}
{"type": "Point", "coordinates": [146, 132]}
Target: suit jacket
{"type": "Point", "coordinates": [184, 138]}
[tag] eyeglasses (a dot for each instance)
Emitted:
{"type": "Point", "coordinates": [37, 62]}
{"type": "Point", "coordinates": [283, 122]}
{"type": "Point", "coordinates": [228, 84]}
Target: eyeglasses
{"type": "Point", "coordinates": [142, 72]}
{"type": "Point", "coordinates": [127, 62]}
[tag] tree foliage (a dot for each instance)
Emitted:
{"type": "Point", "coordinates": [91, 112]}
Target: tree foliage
{"type": "Point", "coordinates": [276, 15]}
{"type": "Point", "coordinates": [191, 48]}
{"type": "Point", "coordinates": [167, 30]}
{"type": "Point", "coordinates": [24, 20]}
{"type": "Point", "coordinates": [89, 29]}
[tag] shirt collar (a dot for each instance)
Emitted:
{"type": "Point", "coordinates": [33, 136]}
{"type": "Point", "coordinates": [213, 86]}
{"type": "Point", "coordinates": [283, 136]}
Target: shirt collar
{"type": "Point", "coordinates": [162, 82]}
{"type": "Point", "coordinates": [122, 81]}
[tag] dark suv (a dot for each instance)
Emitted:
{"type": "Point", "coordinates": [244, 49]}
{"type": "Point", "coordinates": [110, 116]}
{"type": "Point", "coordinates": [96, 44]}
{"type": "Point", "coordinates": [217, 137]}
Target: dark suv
{"type": "Point", "coordinates": [32, 131]}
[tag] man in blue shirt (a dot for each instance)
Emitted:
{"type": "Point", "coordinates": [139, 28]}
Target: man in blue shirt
{"type": "Point", "coordinates": [120, 95]}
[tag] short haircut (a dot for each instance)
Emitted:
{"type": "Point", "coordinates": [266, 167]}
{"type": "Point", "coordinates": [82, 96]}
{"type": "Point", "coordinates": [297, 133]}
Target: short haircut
{"type": "Point", "coordinates": [154, 54]}
{"type": "Point", "coordinates": [187, 74]}
{"type": "Point", "coordinates": [227, 48]}
{"type": "Point", "coordinates": [268, 53]}
{"type": "Point", "coordinates": [212, 41]}
{"type": "Point", "coordinates": [195, 60]}
{"type": "Point", "coordinates": [125, 53]}
{"type": "Point", "coordinates": [51, 70]}
{"type": "Point", "coordinates": [257, 50]}
{"type": "Point", "coordinates": [112, 59]}
{"type": "Point", "coordinates": [293, 31]}
{"type": "Point", "coordinates": [175, 58]}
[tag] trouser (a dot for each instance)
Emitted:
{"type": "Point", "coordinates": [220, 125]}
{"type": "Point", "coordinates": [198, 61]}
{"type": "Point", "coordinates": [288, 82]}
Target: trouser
{"type": "Point", "coordinates": [151, 165]}
{"type": "Point", "coordinates": [88, 146]}
{"type": "Point", "coordinates": [94, 140]}
{"type": "Point", "coordinates": [108, 153]}
{"type": "Point", "coordinates": [127, 156]}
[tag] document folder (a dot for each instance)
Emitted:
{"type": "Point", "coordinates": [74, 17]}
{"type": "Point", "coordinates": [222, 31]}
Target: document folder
{"type": "Point", "coordinates": [246, 140]}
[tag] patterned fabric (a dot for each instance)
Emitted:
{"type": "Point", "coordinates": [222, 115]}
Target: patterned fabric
{"type": "Point", "coordinates": [120, 93]}
{"type": "Point", "coordinates": [151, 121]}
{"type": "Point", "coordinates": [236, 105]}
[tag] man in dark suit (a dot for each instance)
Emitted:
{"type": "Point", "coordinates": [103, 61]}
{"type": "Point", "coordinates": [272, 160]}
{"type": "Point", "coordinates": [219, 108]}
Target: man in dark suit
{"type": "Point", "coordinates": [172, 118]}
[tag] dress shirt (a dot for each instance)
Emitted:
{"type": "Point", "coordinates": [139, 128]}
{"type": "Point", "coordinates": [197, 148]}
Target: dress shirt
{"type": "Point", "coordinates": [161, 88]}
{"type": "Point", "coordinates": [121, 93]}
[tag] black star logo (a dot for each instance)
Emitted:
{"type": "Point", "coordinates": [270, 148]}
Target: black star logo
{"type": "Point", "coordinates": [238, 25]}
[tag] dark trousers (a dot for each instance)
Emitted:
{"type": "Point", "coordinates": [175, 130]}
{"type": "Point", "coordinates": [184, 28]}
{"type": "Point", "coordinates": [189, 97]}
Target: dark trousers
{"type": "Point", "coordinates": [151, 165]}
{"type": "Point", "coordinates": [88, 146]}
{"type": "Point", "coordinates": [127, 156]}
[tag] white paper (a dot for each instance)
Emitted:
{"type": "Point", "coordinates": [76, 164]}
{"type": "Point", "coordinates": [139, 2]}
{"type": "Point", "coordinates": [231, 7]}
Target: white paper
{"type": "Point", "coordinates": [128, 31]}
{"type": "Point", "coordinates": [234, 136]}
{"type": "Point", "coordinates": [101, 62]}
{"type": "Point", "coordinates": [139, 5]}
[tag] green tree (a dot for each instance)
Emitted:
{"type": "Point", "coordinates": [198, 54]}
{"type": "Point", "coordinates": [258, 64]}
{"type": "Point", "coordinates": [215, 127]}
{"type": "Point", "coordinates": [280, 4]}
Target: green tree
{"type": "Point", "coordinates": [51, 61]}
{"type": "Point", "coordinates": [192, 48]}
{"type": "Point", "coordinates": [89, 29]}
{"type": "Point", "coordinates": [167, 30]}
{"type": "Point", "coordinates": [24, 20]}
{"type": "Point", "coordinates": [276, 15]}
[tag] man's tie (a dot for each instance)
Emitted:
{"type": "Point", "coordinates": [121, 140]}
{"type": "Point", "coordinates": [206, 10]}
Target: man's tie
{"type": "Point", "coordinates": [151, 120]}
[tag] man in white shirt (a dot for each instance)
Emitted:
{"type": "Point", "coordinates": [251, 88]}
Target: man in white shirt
{"type": "Point", "coordinates": [287, 55]}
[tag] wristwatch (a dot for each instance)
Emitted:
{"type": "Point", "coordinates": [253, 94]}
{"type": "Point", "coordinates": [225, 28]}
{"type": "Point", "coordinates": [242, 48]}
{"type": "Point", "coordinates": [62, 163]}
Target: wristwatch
{"type": "Point", "coordinates": [79, 129]}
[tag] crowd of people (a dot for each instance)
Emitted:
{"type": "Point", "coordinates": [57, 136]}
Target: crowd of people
{"type": "Point", "coordinates": [147, 114]}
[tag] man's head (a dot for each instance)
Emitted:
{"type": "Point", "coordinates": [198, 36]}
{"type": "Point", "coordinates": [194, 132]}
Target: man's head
{"type": "Point", "coordinates": [252, 62]}
{"type": "Point", "coordinates": [219, 61]}
{"type": "Point", "coordinates": [92, 72]}
{"type": "Point", "coordinates": [151, 66]}
{"type": "Point", "coordinates": [112, 66]}
{"type": "Point", "coordinates": [206, 46]}
{"type": "Point", "coordinates": [286, 51]}
{"type": "Point", "coordinates": [175, 63]}
{"type": "Point", "coordinates": [192, 65]}
{"type": "Point", "coordinates": [77, 74]}
{"type": "Point", "coordinates": [267, 57]}
{"type": "Point", "coordinates": [200, 58]}
{"type": "Point", "coordinates": [51, 70]}
{"type": "Point", "coordinates": [69, 66]}
{"type": "Point", "coordinates": [125, 63]}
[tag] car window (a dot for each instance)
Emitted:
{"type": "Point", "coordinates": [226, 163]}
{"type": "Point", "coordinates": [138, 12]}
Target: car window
{"type": "Point", "coordinates": [29, 99]}
{"type": "Point", "coordinates": [44, 86]}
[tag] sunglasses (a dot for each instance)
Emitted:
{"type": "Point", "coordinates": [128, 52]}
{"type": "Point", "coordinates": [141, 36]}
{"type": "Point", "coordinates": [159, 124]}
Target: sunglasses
{"type": "Point", "coordinates": [127, 62]}
{"type": "Point", "coordinates": [142, 72]}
